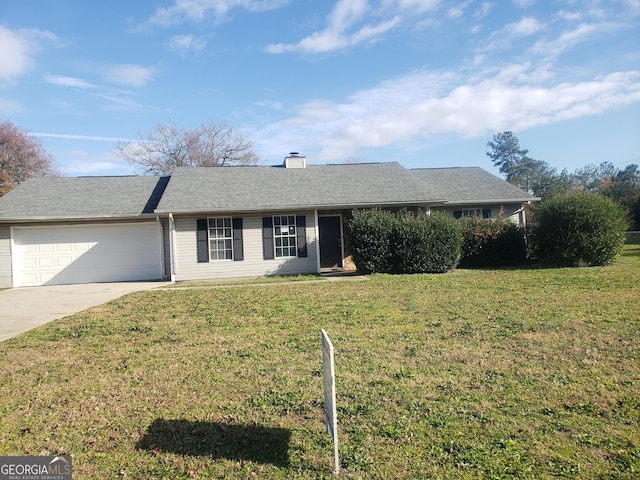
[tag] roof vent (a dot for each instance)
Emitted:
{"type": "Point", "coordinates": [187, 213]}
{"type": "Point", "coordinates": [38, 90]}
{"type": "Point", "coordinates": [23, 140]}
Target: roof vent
{"type": "Point", "coordinates": [295, 160]}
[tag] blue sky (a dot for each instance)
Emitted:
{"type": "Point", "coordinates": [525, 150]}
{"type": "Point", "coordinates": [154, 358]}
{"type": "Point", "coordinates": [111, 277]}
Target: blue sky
{"type": "Point", "coordinates": [422, 82]}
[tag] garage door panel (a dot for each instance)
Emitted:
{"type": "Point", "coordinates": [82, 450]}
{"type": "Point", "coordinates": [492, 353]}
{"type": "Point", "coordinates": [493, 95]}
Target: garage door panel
{"type": "Point", "coordinates": [87, 254]}
{"type": "Point", "coordinates": [64, 261]}
{"type": "Point", "coordinates": [47, 262]}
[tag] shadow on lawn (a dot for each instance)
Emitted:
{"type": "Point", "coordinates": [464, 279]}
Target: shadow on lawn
{"type": "Point", "coordinates": [219, 440]}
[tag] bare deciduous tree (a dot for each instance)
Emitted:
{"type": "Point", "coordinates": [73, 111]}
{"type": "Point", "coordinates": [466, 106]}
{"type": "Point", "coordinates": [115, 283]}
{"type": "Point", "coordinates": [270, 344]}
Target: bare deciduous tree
{"type": "Point", "coordinates": [22, 157]}
{"type": "Point", "coordinates": [212, 144]}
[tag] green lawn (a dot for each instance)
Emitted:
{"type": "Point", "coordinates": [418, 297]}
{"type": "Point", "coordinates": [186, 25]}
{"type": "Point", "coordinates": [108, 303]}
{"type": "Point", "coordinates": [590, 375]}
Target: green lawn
{"type": "Point", "coordinates": [529, 373]}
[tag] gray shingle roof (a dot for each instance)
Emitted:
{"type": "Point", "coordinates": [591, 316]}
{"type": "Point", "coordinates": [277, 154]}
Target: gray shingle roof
{"type": "Point", "coordinates": [468, 185]}
{"type": "Point", "coordinates": [262, 188]}
{"type": "Point", "coordinates": [82, 197]}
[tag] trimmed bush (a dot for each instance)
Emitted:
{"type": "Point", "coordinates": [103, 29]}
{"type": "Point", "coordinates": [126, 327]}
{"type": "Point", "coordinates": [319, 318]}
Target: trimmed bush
{"type": "Point", "coordinates": [369, 236]}
{"type": "Point", "coordinates": [491, 242]}
{"type": "Point", "coordinates": [385, 242]}
{"type": "Point", "coordinates": [580, 229]}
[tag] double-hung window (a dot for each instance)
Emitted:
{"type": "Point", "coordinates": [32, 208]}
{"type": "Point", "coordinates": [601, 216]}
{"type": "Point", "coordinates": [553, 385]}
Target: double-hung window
{"type": "Point", "coordinates": [220, 238]}
{"type": "Point", "coordinates": [284, 235]}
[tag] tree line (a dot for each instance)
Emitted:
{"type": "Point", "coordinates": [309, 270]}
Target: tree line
{"type": "Point", "coordinates": [621, 185]}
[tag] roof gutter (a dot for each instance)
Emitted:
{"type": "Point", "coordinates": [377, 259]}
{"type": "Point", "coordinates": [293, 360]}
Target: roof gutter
{"type": "Point", "coordinates": [493, 200]}
{"type": "Point", "coordinates": [42, 219]}
{"type": "Point", "coordinates": [280, 208]}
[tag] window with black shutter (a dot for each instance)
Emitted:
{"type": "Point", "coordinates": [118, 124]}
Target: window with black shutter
{"type": "Point", "coordinates": [219, 238]}
{"type": "Point", "coordinates": [284, 236]}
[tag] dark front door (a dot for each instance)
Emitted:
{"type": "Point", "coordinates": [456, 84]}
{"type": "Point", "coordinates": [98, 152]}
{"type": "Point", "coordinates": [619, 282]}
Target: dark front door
{"type": "Point", "coordinates": [330, 242]}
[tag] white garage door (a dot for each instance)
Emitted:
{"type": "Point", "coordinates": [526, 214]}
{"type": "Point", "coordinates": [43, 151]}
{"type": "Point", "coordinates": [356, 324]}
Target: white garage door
{"type": "Point", "coordinates": [87, 254]}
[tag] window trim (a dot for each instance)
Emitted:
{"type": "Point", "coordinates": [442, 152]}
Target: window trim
{"type": "Point", "coordinates": [224, 238]}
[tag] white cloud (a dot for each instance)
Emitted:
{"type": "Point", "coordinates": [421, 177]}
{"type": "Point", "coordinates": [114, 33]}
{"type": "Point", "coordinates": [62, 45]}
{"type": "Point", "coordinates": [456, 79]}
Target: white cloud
{"type": "Point", "coordinates": [91, 138]}
{"type": "Point", "coordinates": [426, 104]}
{"type": "Point", "coordinates": [80, 162]}
{"type": "Point", "coordinates": [330, 39]}
{"type": "Point", "coordinates": [130, 75]}
{"type": "Point", "coordinates": [122, 74]}
{"type": "Point", "coordinates": [412, 6]}
{"type": "Point", "coordinates": [71, 82]}
{"type": "Point", "coordinates": [570, 16]}
{"type": "Point", "coordinates": [16, 54]}
{"type": "Point", "coordinates": [184, 45]}
{"type": "Point", "coordinates": [111, 99]}
{"type": "Point", "coordinates": [199, 10]}
{"type": "Point", "coordinates": [524, 3]}
{"type": "Point", "coordinates": [501, 39]}
{"type": "Point", "coordinates": [269, 104]}
{"type": "Point", "coordinates": [19, 48]}
{"type": "Point", "coordinates": [346, 12]}
{"type": "Point", "coordinates": [344, 30]}
{"type": "Point", "coordinates": [525, 27]}
{"type": "Point", "coordinates": [633, 4]}
{"type": "Point", "coordinates": [457, 11]}
{"type": "Point", "coordinates": [483, 10]}
{"type": "Point", "coordinates": [567, 39]}
{"type": "Point", "coordinates": [353, 22]}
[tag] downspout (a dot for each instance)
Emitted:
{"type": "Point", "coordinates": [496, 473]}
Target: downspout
{"type": "Point", "coordinates": [15, 259]}
{"type": "Point", "coordinates": [162, 256]}
{"type": "Point", "coordinates": [522, 214]}
{"type": "Point", "coordinates": [172, 242]}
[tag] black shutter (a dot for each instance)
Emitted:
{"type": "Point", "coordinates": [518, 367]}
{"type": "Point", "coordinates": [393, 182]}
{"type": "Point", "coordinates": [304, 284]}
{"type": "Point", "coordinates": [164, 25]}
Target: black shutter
{"type": "Point", "coordinates": [486, 213]}
{"type": "Point", "coordinates": [301, 234]}
{"type": "Point", "coordinates": [267, 238]}
{"type": "Point", "coordinates": [203, 240]}
{"type": "Point", "coordinates": [238, 253]}
{"type": "Point", "coordinates": [457, 213]}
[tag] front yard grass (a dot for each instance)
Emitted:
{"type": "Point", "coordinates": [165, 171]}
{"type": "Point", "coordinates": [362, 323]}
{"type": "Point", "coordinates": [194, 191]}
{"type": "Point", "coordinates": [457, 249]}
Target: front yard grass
{"type": "Point", "coordinates": [224, 282]}
{"type": "Point", "coordinates": [471, 374]}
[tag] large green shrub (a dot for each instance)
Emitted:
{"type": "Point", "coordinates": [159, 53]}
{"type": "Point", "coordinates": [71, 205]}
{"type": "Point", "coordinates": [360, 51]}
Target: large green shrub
{"type": "Point", "coordinates": [369, 236]}
{"type": "Point", "coordinates": [491, 242]}
{"type": "Point", "coordinates": [580, 229]}
{"type": "Point", "coordinates": [403, 243]}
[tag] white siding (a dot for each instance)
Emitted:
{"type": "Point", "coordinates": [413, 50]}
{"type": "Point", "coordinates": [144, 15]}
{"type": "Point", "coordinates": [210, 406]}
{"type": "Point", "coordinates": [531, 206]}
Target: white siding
{"type": "Point", "coordinates": [186, 255]}
{"type": "Point", "coordinates": [5, 257]}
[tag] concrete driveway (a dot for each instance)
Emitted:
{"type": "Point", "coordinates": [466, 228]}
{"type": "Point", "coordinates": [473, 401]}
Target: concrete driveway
{"type": "Point", "coordinates": [22, 309]}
